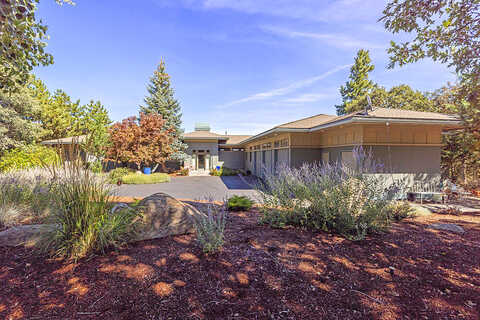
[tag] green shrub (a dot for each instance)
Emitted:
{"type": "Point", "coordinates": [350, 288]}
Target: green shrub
{"type": "Point", "coordinates": [139, 178]}
{"type": "Point", "coordinates": [239, 203]}
{"type": "Point", "coordinates": [399, 210]}
{"type": "Point", "coordinates": [333, 198]}
{"type": "Point", "coordinates": [224, 171]}
{"type": "Point", "coordinates": [82, 213]}
{"type": "Point", "coordinates": [28, 157]}
{"type": "Point", "coordinates": [95, 166]}
{"type": "Point", "coordinates": [210, 230]}
{"type": "Point", "coordinates": [117, 174]}
{"type": "Point", "coordinates": [276, 218]}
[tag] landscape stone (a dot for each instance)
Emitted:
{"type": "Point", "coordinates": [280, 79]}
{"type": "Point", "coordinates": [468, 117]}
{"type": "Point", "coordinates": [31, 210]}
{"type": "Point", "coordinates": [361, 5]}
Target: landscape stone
{"type": "Point", "coordinates": [164, 215]}
{"type": "Point", "coordinates": [447, 227]}
{"type": "Point", "coordinates": [26, 235]}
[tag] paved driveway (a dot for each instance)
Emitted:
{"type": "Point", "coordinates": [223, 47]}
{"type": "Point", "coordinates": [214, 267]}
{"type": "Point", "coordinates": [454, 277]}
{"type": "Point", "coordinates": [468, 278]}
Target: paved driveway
{"type": "Point", "coordinates": [195, 188]}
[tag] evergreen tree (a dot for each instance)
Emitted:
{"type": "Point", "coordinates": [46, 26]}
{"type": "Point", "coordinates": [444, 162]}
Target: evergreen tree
{"type": "Point", "coordinates": [57, 115]}
{"type": "Point", "coordinates": [161, 100]}
{"type": "Point", "coordinates": [358, 84]}
{"type": "Point", "coordinates": [19, 113]}
{"type": "Point", "coordinates": [94, 122]}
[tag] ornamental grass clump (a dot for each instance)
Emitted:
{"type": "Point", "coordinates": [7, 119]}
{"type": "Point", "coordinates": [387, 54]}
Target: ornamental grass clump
{"type": "Point", "coordinates": [211, 229]}
{"type": "Point", "coordinates": [25, 196]}
{"type": "Point", "coordinates": [82, 215]}
{"type": "Point", "coordinates": [331, 197]}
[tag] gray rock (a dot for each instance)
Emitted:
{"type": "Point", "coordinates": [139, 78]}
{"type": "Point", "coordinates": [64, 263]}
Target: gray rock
{"type": "Point", "coordinates": [447, 227]}
{"type": "Point", "coordinates": [164, 215]}
{"type": "Point", "coordinates": [27, 235]}
{"type": "Point", "coordinates": [119, 206]}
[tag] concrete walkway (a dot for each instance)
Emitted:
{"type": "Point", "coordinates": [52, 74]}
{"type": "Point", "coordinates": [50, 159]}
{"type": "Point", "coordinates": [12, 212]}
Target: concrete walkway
{"type": "Point", "coordinates": [194, 188]}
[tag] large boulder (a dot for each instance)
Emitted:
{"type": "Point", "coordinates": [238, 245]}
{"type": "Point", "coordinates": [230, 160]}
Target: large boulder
{"type": "Point", "coordinates": [447, 227]}
{"type": "Point", "coordinates": [164, 215]}
{"type": "Point", "coordinates": [27, 235]}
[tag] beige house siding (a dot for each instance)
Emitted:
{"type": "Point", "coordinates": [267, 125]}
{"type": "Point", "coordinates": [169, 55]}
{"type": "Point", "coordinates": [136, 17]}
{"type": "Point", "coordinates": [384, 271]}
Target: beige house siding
{"type": "Point", "coordinates": [405, 148]}
{"type": "Point", "coordinates": [300, 156]}
{"type": "Point", "coordinates": [231, 159]}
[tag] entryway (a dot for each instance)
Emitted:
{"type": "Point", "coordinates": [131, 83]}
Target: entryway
{"type": "Point", "coordinates": [201, 162]}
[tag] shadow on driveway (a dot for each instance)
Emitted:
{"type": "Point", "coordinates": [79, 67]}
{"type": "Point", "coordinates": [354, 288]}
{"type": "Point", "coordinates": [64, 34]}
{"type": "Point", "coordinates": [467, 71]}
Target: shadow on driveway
{"type": "Point", "coordinates": [236, 183]}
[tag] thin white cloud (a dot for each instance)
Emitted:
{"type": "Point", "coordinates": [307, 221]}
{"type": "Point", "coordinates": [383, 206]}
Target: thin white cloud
{"type": "Point", "coordinates": [339, 10]}
{"type": "Point", "coordinates": [336, 40]}
{"type": "Point", "coordinates": [285, 90]}
{"type": "Point", "coordinates": [331, 11]}
{"type": "Point", "coordinates": [307, 97]}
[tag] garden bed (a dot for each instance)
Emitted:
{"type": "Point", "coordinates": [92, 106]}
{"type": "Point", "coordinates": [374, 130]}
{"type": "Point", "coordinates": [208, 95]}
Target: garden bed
{"type": "Point", "coordinates": [262, 273]}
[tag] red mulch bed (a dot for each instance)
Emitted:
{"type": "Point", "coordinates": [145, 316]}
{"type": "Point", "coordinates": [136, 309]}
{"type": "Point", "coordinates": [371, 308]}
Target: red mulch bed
{"type": "Point", "coordinates": [262, 273]}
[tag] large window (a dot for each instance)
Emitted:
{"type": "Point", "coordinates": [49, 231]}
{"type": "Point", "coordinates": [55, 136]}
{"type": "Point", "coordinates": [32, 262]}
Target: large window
{"type": "Point", "coordinates": [264, 156]}
{"type": "Point", "coordinates": [281, 143]}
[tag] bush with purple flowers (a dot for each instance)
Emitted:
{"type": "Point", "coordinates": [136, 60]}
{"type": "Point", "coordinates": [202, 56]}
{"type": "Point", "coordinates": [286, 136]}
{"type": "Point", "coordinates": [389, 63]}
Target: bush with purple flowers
{"type": "Point", "coordinates": [340, 198]}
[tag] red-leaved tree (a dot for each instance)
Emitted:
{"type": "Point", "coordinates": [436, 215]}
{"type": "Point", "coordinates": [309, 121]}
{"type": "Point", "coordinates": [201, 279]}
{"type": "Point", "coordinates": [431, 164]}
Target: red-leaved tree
{"type": "Point", "coordinates": [145, 141]}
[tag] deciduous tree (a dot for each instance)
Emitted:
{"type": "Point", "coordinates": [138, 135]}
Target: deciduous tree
{"type": "Point", "coordinates": [22, 42]}
{"type": "Point", "coordinates": [145, 141]}
{"type": "Point", "coordinates": [398, 97]}
{"type": "Point", "coordinates": [446, 31]}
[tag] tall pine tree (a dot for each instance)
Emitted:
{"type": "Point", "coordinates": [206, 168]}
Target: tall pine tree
{"type": "Point", "coordinates": [358, 84]}
{"type": "Point", "coordinates": [161, 100]}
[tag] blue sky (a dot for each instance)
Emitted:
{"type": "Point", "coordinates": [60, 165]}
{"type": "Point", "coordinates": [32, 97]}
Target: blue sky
{"type": "Point", "coordinates": [241, 65]}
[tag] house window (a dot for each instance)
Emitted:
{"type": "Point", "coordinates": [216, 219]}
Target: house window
{"type": "Point", "coordinates": [283, 143]}
{"type": "Point", "coordinates": [264, 156]}
{"type": "Point", "coordinates": [250, 154]}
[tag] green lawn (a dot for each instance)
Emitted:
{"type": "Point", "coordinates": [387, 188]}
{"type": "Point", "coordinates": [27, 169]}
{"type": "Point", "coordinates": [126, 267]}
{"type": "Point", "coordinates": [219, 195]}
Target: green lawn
{"type": "Point", "coordinates": [138, 178]}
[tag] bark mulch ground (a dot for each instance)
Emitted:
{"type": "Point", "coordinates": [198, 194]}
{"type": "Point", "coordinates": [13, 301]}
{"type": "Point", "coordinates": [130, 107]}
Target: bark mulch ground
{"type": "Point", "coordinates": [412, 272]}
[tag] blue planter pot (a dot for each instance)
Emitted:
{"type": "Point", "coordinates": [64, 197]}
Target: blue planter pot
{"type": "Point", "coordinates": [147, 170]}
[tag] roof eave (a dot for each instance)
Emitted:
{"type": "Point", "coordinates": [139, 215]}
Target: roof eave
{"type": "Point", "coordinates": [274, 130]}
{"type": "Point", "coordinates": [356, 119]}
{"type": "Point", "coordinates": [409, 120]}
{"type": "Point", "coordinates": [203, 138]}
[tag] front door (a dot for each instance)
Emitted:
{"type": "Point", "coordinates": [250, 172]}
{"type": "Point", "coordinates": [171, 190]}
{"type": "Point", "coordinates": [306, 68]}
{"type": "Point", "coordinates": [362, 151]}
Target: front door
{"type": "Point", "coordinates": [201, 162]}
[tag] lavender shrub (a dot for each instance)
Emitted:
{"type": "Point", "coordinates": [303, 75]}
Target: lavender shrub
{"type": "Point", "coordinates": [332, 197]}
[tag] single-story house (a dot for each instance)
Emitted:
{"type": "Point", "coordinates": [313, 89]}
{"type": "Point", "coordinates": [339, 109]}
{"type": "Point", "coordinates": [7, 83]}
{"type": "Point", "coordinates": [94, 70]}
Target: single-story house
{"type": "Point", "coordinates": [405, 142]}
